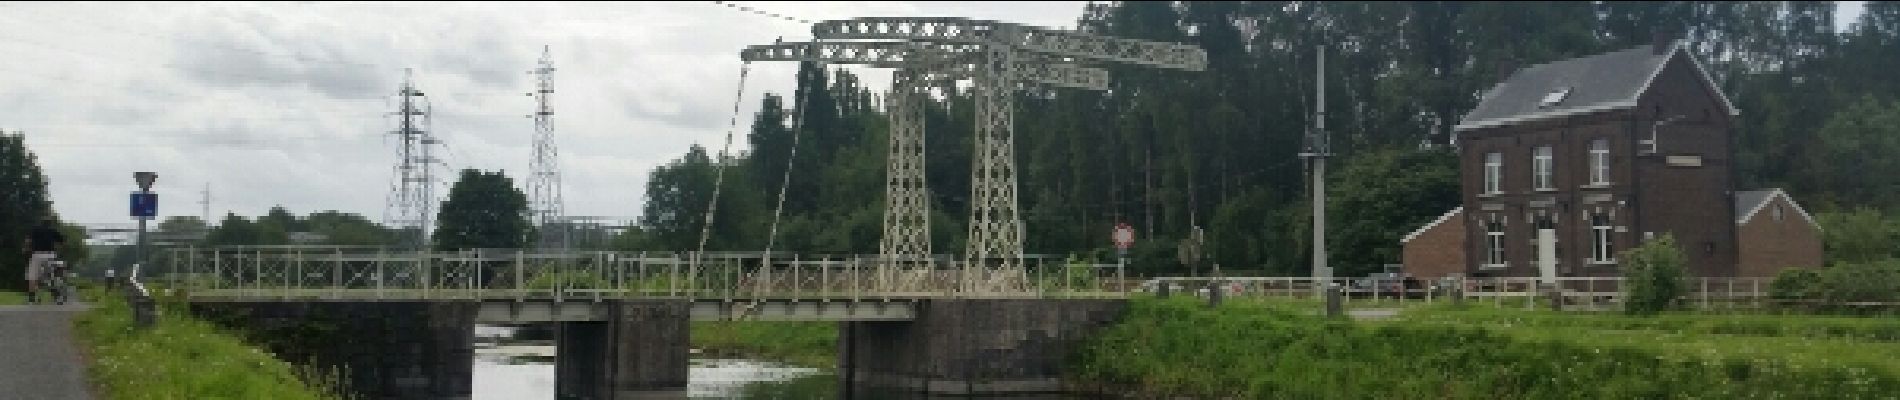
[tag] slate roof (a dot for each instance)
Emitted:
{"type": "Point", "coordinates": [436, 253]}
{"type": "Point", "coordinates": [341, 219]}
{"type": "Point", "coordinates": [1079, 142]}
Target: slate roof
{"type": "Point", "coordinates": [1751, 202]}
{"type": "Point", "coordinates": [1599, 82]}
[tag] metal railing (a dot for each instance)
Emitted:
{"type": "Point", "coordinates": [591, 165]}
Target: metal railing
{"type": "Point", "coordinates": [288, 273]}
{"type": "Point", "coordinates": [1586, 292]}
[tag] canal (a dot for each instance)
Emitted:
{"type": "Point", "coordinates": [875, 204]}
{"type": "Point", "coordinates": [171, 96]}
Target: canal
{"type": "Point", "coordinates": [513, 363]}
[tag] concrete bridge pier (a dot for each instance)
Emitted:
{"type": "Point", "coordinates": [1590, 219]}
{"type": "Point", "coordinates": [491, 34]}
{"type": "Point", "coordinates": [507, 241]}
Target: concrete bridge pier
{"type": "Point", "coordinates": [382, 350]}
{"type": "Point", "coordinates": [972, 347]}
{"type": "Point", "coordinates": [640, 352]}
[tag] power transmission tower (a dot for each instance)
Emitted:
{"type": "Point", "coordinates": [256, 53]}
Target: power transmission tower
{"type": "Point", "coordinates": [412, 196]}
{"type": "Point", "coordinates": [544, 173]}
{"type": "Point", "coordinates": [206, 204]}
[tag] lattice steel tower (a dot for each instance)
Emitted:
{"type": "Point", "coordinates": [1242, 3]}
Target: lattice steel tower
{"type": "Point", "coordinates": [411, 206]}
{"type": "Point", "coordinates": [544, 172]}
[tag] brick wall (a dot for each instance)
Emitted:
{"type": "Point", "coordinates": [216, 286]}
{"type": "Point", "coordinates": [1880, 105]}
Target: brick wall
{"type": "Point", "coordinates": [1768, 245]}
{"type": "Point", "coordinates": [1438, 251]}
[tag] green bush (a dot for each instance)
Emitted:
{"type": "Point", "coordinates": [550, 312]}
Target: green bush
{"type": "Point", "coordinates": [1862, 282]}
{"type": "Point", "coordinates": [1653, 276]}
{"type": "Point", "coordinates": [1796, 284]}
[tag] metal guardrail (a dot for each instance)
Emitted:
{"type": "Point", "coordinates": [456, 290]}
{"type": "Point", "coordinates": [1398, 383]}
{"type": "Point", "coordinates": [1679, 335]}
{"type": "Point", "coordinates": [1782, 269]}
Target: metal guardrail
{"type": "Point", "coordinates": [293, 273]}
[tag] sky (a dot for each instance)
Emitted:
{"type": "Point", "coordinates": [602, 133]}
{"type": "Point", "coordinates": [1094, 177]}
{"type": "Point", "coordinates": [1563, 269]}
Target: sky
{"type": "Point", "coordinates": [287, 103]}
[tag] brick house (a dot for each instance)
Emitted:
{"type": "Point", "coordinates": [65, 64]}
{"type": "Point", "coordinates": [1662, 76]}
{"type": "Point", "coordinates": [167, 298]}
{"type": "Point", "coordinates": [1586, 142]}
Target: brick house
{"type": "Point", "coordinates": [1575, 161]}
{"type": "Point", "coordinates": [1774, 233]}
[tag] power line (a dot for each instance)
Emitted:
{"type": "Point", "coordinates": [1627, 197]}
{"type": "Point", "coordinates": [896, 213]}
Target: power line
{"type": "Point", "coordinates": [749, 9]}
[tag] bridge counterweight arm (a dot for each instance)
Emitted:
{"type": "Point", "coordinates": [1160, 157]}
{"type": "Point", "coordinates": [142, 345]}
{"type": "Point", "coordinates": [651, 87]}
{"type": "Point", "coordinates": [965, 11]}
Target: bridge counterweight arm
{"type": "Point", "coordinates": [948, 61]}
{"type": "Point", "coordinates": [1044, 41]}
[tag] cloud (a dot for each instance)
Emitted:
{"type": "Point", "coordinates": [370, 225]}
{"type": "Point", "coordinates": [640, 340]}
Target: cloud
{"type": "Point", "coordinates": [289, 103]}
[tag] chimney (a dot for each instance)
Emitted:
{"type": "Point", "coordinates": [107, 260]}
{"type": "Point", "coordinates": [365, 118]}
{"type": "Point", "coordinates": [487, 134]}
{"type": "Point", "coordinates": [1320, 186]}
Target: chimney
{"type": "Point", "coordinates": [1660, 41]}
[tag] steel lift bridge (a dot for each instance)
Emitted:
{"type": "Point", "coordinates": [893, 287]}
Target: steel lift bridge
{"type": "Point", "coordinates": [999, 58]}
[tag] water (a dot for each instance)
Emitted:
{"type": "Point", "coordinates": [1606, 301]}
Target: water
{"type": "Point", "coordinates": [510, 366]}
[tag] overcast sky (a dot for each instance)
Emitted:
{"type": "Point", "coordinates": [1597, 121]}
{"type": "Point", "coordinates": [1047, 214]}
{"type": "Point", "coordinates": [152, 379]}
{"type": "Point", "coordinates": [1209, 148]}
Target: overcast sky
{"type": "Point", "coordinates": [285, 103]}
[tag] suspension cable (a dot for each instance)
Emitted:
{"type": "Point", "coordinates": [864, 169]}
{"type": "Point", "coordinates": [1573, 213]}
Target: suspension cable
{"type": "Point", "coordinates": [719, 177]}
{"type": "Point", "coordinates": [798, 125]}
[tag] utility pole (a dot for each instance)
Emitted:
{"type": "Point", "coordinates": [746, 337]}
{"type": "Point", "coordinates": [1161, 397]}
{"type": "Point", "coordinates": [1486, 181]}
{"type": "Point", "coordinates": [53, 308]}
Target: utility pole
{"type": "Point", "coordinates": [205, 202]}
{"type": "Point", "coordinates": [1317, 149]}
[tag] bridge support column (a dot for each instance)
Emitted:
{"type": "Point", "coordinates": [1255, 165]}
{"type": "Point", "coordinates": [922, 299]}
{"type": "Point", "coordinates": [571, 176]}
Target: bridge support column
{"type": "Point", "coordinates": [384, 350]}
{"type": "Point", "coordinates": [639, 353]}
{"type": "Point", "coordinates": [973, 346]}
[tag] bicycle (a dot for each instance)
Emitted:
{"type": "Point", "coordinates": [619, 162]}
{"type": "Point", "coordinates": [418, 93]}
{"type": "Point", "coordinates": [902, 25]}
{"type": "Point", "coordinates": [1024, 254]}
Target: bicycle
{"type": "Point", "coordinates": [53, 281]}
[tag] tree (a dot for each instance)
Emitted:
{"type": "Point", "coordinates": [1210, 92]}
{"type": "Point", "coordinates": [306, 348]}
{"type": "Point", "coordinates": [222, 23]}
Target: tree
{"type": "Point", "coordinates": [1861, 236]}
{"type": "Point", "coordinates": [1858, 144]}
{"type": "Point", "coordinates": [182, 224]}
{"type": "Point", "coordinates": [484, 210]}
{"type": "Point", "coordinates": [1653, 276]}
{"type": "Point", "coordinates": [345, 229]}
{"type": "Point", "coordinates": [23, 202]}
{"type": "Point", "coordinates": [1379, 197]}
{"type": "Point", "coordinates": [234, 231]}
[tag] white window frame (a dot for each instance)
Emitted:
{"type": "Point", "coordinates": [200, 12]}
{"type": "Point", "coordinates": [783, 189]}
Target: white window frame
{"type": "Point", "coordinates": [1494, 244]}
{"type": "Point", "coordinates": [1601, 243]}
{"type": "Point", "coordinates": [1600, 162]}
{"type": "Point", "coordinates": [1542, 162]}
{"type": "Point", "coordinates": [1493, 173]}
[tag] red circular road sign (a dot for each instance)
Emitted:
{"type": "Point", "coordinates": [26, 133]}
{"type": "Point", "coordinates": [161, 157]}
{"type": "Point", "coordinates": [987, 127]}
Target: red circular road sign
{"type": "Point", "coordinates": [1124, 236]}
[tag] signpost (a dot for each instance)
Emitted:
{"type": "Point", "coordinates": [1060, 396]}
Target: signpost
{"type": "Point", "coordinates": [144, 207]}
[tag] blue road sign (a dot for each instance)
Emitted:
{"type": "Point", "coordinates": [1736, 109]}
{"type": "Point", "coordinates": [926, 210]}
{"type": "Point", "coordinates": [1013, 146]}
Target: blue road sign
{"type": "Point", "coordinates": [144, 204]}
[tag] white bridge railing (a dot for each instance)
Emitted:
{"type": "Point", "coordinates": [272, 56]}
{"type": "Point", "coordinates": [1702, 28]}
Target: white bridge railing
{"type": "Point", "coordinates": [288, 273]}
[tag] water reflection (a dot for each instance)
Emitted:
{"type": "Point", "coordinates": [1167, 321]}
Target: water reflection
{"type": "Point", "coordinates": [514, 363]}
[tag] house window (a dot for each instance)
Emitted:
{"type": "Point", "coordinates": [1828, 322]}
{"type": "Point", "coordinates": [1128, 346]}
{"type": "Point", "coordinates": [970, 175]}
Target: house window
{"type": "Point", "coordinates": [1493, 169]}
{"type": "Point", "coordinates": [1600, 162]}
{"type": "Point", "coordinates": [1541, 166]}
{"type": "Point", "coordinates": [1494, 244]}
{"type": "Point", "coordinates": [1600, 251]}
{"type": "Point", "coordinates": [1777, 213]}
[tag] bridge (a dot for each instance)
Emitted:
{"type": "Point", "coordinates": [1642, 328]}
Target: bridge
{"type": "Point", "coordinates": [526, 286]}
{"type": "Point", "coordinates": [994, 321]}
{"type": "Point", "coordinates": [403, 321]}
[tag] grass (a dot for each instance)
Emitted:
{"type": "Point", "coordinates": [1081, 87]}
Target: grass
{"type": "Point", "coordinates": [1267, 349]}
{"type": "Point", "coordinates": [810, 344]}
{"type": "Point", "coordinates": [8, 298]}
{"type": "Point", "coordinates": [181, 357]}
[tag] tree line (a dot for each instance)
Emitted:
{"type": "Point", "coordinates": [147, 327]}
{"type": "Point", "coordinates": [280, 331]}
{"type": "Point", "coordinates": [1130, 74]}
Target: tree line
{"type": "Point", "coordinates": [1169, 151]}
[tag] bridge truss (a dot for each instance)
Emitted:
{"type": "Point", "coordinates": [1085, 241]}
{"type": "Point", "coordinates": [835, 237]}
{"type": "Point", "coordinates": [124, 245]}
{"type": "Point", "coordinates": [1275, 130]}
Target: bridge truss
{"type": "Point", "coordinates": [303, 273]}
{"type": "Point", "coordinates": [999, 58]}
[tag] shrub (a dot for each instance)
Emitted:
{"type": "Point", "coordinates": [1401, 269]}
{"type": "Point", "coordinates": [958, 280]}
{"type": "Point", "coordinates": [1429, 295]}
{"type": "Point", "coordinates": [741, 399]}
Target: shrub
{"type": "Point", "coordinates": [1862, 282]}
{"type": "Point", "coordinates": [1795, 284]}
{"type": "Point", "coordinates": [1652, 276]}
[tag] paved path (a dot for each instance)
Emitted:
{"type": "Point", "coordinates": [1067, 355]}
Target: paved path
{"type": "Point", "coordinates": [39, 358]}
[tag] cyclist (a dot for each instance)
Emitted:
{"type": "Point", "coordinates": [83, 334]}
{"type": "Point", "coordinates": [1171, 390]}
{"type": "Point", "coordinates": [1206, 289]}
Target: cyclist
{"type": "Point", "coordinates": [44, 242]}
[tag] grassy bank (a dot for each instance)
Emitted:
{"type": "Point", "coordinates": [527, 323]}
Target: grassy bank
{"type": "Point", "coordinates": [1253, 350]}
{"type": "Point", "coordinates": [181, 357]}
{"type": "Point", "coordinates": [811, 344]}
{"type": "Point", "coordinates": [11, 298]}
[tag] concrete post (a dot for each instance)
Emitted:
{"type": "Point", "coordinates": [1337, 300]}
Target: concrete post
{"type": "Point", "coordinates": [1334, 301]}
